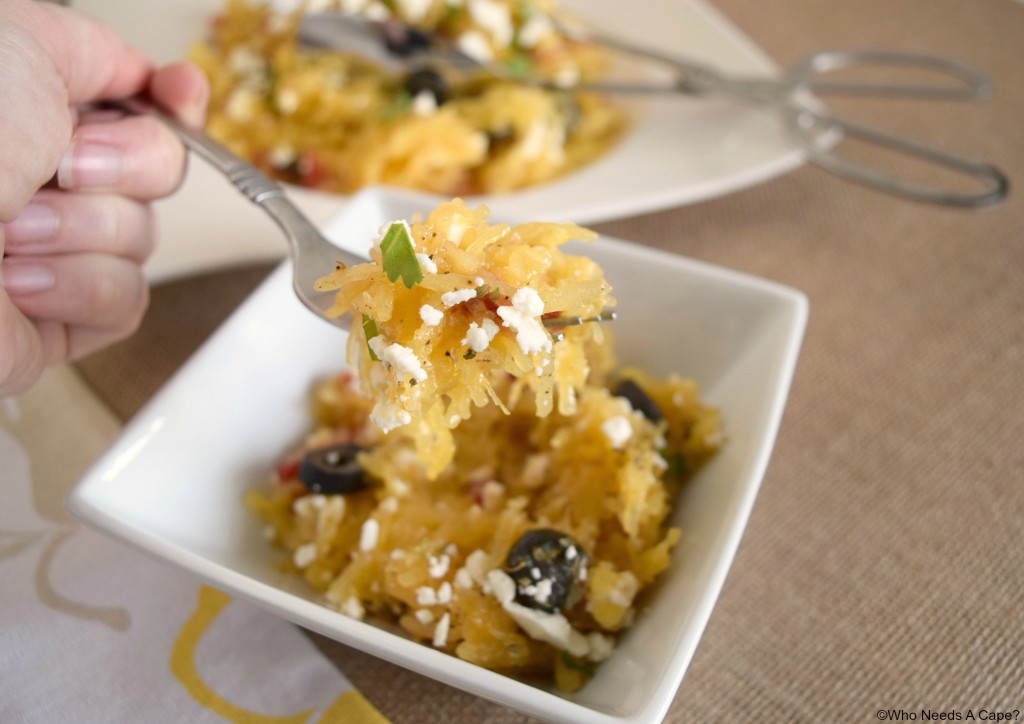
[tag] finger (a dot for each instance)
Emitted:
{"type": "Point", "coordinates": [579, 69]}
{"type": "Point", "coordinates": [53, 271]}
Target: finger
{"type": "Point", "coordinates": [58, 222]}
{"type": "Point", "coordinates": [182, 89]}
{"type": "Point", "coordinates": [22, 351]}
{"type": "Point", "coordinates": [136, 157]}
{"type": "Point", "coordinates": [93, 60]}
{"type": "Point", "coordinates": [103, 292]}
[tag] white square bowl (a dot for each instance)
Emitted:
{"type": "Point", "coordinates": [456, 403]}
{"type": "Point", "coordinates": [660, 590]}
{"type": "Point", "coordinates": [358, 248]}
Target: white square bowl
{"type": "Point", "coordinates": [172, 483]}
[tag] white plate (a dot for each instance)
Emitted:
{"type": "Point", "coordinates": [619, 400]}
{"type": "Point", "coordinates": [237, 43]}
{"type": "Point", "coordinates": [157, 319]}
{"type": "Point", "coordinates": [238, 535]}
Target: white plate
{"type": "Point", "coordinates": [679, 151]}
{"type": "Point", "coordinates": [172, 483]}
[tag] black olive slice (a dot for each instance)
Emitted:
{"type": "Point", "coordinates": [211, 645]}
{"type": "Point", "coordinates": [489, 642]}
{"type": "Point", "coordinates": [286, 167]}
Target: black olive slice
{"type": "Point", "coordinates": [427, 79]}
{"type": "Point", "coordinates": [638, 399]}
{"type": "Point", "coordinates": [548, 567]}
{"type": "Point", "coordinates": [332, 470]}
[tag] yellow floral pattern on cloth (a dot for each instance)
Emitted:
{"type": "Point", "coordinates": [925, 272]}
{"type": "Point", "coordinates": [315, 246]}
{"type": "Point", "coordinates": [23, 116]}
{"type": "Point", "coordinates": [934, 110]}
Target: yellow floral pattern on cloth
{"type": "Point", "coordinates": [92, 631]}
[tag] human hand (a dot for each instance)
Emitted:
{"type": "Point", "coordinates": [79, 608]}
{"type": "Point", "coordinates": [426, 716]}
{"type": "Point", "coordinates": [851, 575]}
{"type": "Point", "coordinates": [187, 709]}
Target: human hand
{"type": "Point", "coordinates": [75, 223]}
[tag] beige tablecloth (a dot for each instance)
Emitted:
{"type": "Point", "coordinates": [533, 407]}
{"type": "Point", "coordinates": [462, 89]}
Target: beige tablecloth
{"type": "Point", "coordinates": [883, 567]}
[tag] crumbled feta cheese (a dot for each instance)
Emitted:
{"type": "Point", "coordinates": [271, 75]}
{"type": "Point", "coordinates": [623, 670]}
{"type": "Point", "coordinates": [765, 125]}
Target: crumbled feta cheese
{"type": "Point", "coordinates": [387, 416]}
{"type": "Point", "coordinates": [426, 596]}
{"type": "Point", "coordinates": [287, 101]}
{"type": "Point", "coordinates": [540, 592]}
{"type": "Point", "coordinates": [494, 17]}
{"type": "Point", "coordinates": [475, 44]}
{"type": "Point", "coordinates": [450, 299]}
{"type": "Point", "coordinates": [424, 103]}
{"type": "Point", "coordinates": [377, 345]}
{"type": "Point", "coordinates": [492, 494]}
{"type": "Point", "coordinates": [389, 505]}
{"type": "Point", "coordinates": [427, 265]}
{"type": "Point", "coordinates": [399, 487]}
{"type": "Point", "coordinates": [553, 628]}
{"type": "Point", "coordinates": [368, 534]}
{"type": "Point", "coordinates": [377, 11]}
{"type": "Point", "coordinates": [527, 301]}
{"type": "Point", "coordinates": [533, 31]}
{"type": "Point", "coordinates": [476, 565]}
{"type": "Point", "coordinates": [479, 281]}
{"type": "Point", "coordinates": [308, 505]}
{"type": "Point", "coordinates": [245, 61]}
{"type": "Point", "coordinates": [625, 589]}
{"type": "Point", "coordinates": [567, 76]}
{"type": "Point", "coordinates": [479, 337]}
{"type": "Point", "coordinates": [403, 360]}
{"type": "Point", "coordinates": [437, 566]}
{"type": "Point", "coordinates": [463, 578]}
{"type": "Point", "coordinates": [397, 554]}
{"type": "Point", "coordinates": [242, 105]}
{"type": "Point", "coordinates": [522, 316]}
{"type": "Point", "coordinates": [353, 608]}
{"type": "Point", "coordinates": [441, 631]}
{"type": "Point", "coordinates": [618, 430]}
{"type": "Point", "coordinates": [533, 143]}
{"type": "Point", "coordinates": [278, 23]}
{"type": "Point", "coordinates": [281, 156]}
{"type": "Point", "coordinates": [414, 10]}
{"type": "Point", "coordinates": [304, 555]}
{"type": "Point", "coordinates": [444, 593]}
{"type": "Point", "coordinates": [600, 646]}
{"type": "Point", "coordinates": [424, 616]}
{"type": "Point", "coordinates": [431, 316]}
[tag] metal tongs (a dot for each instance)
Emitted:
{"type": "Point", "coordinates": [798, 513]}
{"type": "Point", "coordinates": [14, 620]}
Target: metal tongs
{"type": "Point", "coordinates": [792, 96]}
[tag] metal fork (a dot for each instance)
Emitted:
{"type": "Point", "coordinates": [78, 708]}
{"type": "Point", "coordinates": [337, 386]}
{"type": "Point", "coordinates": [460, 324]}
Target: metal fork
{"type": "Point", "coordinates": [312, 254]}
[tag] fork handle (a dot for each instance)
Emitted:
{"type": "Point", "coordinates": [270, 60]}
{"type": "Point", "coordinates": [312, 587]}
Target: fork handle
{"type": "Point", "coordinates": [302, 235]}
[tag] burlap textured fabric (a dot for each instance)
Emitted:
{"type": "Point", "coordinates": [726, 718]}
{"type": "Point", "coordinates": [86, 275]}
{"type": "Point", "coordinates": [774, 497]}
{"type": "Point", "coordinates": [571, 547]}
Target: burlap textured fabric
{"type": "Point", "coordinates": [883, 567]}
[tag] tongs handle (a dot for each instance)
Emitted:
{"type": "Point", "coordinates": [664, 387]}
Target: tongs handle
{"type": "Point", "coordinates": [963, 82]}
{"type": "Point", "coordinates": [809, 127]}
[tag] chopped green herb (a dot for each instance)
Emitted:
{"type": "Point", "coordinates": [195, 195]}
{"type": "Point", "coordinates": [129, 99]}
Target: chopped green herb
{"type": "Point", "coordinates": [576, 665]}
{"type": "Point", "coordinates": [525, 10]}
{"type": "Point", "coordinates": [399, 257]}
{"type": "Point", "coordinates": [398, 106]}
{"type": "Point", "coordinates": [470, 354]}
{"type": "Point", "coordinates": [452, 13]}
{"type": "Point", "coordinates": [676, 463]}
{"type": "Point", "coordinates": [371, 331]}
{"type": "Point", "coordinates": [519, 65]}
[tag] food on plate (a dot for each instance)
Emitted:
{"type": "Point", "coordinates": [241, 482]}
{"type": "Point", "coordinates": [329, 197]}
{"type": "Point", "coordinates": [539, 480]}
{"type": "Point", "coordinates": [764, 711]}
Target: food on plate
{"type": "Point", "coordinates": [502, 496]}
{"type": "Point", "coordinates": [333, 121]}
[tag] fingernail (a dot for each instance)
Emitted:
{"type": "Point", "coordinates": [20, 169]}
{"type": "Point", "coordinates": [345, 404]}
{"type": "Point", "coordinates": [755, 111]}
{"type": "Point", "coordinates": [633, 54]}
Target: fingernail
{"type": "Point", "coordinates": [26, 277]}
{"type": "Point", "coordinates": [36, 222]}
{"type": "Point", "coordinates": [90, 166]}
